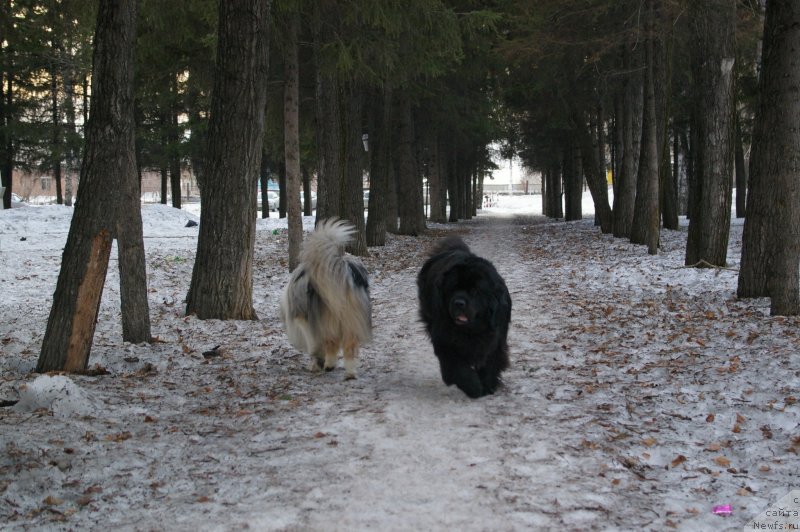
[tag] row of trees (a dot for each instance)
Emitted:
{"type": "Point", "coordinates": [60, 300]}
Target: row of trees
{"type": "Point", "coordinates": [669, 94]}
{"type": "Point", "coordinates": [646, 87]}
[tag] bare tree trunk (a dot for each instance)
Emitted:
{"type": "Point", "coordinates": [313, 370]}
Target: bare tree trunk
{"type": "Point", "coordinates": [595, 175]}
{"type": "Point", "coordinates": [453, 191]}
{"type": "Point", "coordinates": [291, 136]}
{"type": "Point", "coordinates": [108, 177]}
{"type": "Point", "coordinates": [379, 182]}
{"type": "Point", "coordinates": [328, 126]}
{"type": "Point", "coordinates": [437, 181]}
{"type": "Point", "coordinates": [645, 228]}
{"type": "Point", "coordinates": [351, 206]}
{"type": "Point", "coordinates": [222, 278]}
{"type": "Point", "coordinates": [308, 204]}
{"type": "Point", "coordinates": [713, 58]}
{"type": "Point", "coordinates": [771, 240]}
{"type": "Point", "coordinates": [625, 194]}
{"type": "Point", "coordinates": [573, 185]}
{"type": "Point", "coordinates": [71, 144]}
{"type": "Point", "coordinates": [164, 170]}
{"type": "Point", "coordinates": [412, 216]}
{"type": "Point", "coordinates": [263, 177]}
{"type": "Point", "coordinates": [174, 144]}
{"type": "Point", "coordinates": [741, 172]}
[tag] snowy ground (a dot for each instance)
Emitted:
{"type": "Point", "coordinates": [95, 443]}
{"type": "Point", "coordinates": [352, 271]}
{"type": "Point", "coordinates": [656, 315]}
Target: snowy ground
{"type": "Point", "coordinates": [641, 395]}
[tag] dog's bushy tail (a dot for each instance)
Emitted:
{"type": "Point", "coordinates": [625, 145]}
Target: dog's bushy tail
{"type": "Point", "coordinates": [323, 256]}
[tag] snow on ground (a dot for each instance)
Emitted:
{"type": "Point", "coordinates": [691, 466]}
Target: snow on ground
{"type": "Point", "coordinates": [642, 395]}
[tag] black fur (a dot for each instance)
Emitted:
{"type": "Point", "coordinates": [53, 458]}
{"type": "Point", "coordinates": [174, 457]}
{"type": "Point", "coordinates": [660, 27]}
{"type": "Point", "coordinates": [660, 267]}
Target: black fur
{"type": "Point", "coordinates": [466, 308]}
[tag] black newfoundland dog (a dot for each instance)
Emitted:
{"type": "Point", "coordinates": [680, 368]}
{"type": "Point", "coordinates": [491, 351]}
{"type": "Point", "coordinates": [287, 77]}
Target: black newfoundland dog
{"type": "Point", "coordinates": [466, 309]}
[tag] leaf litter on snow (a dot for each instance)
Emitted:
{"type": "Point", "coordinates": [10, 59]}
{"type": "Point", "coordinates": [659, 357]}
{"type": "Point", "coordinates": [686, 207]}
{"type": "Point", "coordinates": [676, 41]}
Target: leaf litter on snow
{"type": "Point", "coordinates": [641, 394]}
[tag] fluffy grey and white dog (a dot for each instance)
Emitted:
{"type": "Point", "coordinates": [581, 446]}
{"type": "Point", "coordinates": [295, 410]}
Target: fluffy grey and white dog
{"type": "Point", "coordinates": [326, 307]}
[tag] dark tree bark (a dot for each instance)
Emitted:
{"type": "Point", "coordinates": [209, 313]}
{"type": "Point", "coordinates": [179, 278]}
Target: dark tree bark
{"type": "Point", "coordinates": [771, 239]}
{"type": "Point", "coordinates": [164, 182]}
{"type": "Point", "coordinates": [222, 278]}
{"type": "Point", "coordinates": [437, 190]}
{"type": "Point", "coordinates": [174, 144]}
{"type": "Point", "coordinates": [713, 58]}
{"type": "Point", "coordinates": [7, 141]}
{"type": "Point", "coordinates": [632, 104]}
{"type": "Point", "coordinates": [573, 185]}
{"type": "Point", "coordinates": [392, 209]}
{"type": "Point", "coordinates": [741, 172]}
{"type": "Point", "coordinates": [453, 190]}
{"type": "Point", "coordinates": [595, 177]}
{"type": "Point", "coordinates": [308, 204]}
{"type": "Point", "coordinates": [412, 216]}
{"type": "Point", "coordinates": [108, 206]}
{"type": "Point", "coordinates": [437, 180]}
{"type": "Point", "coordinates": [57, 134]}
{"type": "Point", "coordinates": [663, 63]}
{"type": "Point", "coordinates": [71, 138]}
{"type": "Point", "coordinates": [291, 137]}
{"type": "Point", "coordinates": [646, 216]}
{"type": "Point", "coordinates": [263, 179]}
{"type": "Point", "coordinates": [555, 207]}
{"type": "Point", "coordinates": [329, 120]}
{"type": "Point", "coordinates": [379, 148]}
{"type": "Point", "coordinates": [351, 206]}
{"type": "Point", "coordinates": [282, 189]}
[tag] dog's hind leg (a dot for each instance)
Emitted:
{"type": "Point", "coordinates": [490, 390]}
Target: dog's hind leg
{"type": "Point", "coordinates": [350, 351]}
{"type": "Point", "coordinates": [317, 362]}
{"type": "Point", "coordinates": [331, 350]}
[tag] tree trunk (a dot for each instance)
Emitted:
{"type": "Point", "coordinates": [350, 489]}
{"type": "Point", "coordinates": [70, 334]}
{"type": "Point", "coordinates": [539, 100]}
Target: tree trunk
{"type": "Point", "coordinates": [71, 139]}
{"type": "Point", "coordinates": [282, 189]}
{"type": "Point", "coordinates": [308, 200]}
{"type": "Point", "coordinates": [164, 182]}
{"type": "Point", "coordinates": [645, 228]}
{"type": "Point", "coordinates": [351, 164]}
{"type": "Point", "coordinates": [625, 196]}
{"type": "Point", "coordinates": [56, 147]}
{"type": "Point", "coordinates": [554, 192]}
{"type": "Point", "coordinates": [741, 172]}
{"type": "Point", "coordinates": [222, 278]}
{"type": "Point", "coordinates": [713, 58]}
{"type": "Point", "coordinates": [328, 125]}
{"type": "Point", "coordinates": [412, 216]}
{"type": "Point", "coordinates": [108, 177]}
{"type": "Point", "coordinates": [7, 161]}
{"type": "Point", "coordinates": [437, 181]}
{"type": "Point", "coordinates": [436, 210]}
{"type": "Point", "coordinates": [573, 185]}
{"type": "Point", "coordinates": [263, 176]}
{"type": "Point", "coordinates": [379, 146]}
{"type": "Point", "coordinates": [453, 192]}
{"type": "Point", "coordinates": [771, 239]}
{"type": "Point", "coordinates": [291, 138]}
{"type": "Point", "coordinates": [595, 176]}
{"type": "Point", "coordinates": [174, 147]}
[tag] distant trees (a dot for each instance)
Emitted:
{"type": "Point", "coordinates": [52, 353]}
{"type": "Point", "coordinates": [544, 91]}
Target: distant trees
{"type": "Point", "coordinates": [653, 83]}
{"type": "Point", "coordinates": [406, 98]}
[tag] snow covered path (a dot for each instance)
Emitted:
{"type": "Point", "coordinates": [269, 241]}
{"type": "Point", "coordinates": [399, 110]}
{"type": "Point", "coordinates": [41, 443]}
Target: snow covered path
{"type": "Point", "coordinates": [640, 395]}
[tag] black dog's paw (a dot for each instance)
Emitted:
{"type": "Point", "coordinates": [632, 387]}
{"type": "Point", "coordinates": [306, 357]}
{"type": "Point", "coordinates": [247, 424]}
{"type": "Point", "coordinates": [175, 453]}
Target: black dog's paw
{"type": "Point", "coordinates": [490, 380]}
{"type": "Point", "coordinates": [466, 379]}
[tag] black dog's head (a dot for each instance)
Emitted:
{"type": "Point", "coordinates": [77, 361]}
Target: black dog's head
{"type": "Point", "coordinates": [471, 302]}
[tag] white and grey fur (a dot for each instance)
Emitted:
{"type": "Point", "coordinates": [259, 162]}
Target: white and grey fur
{"type": "Point", "coordinates": [325, 306]}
